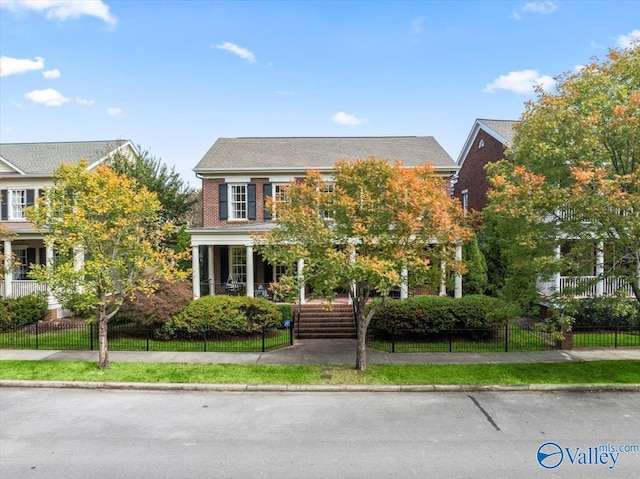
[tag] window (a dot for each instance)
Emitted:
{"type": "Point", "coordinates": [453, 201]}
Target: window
{"type": "Point", "coordinates": [465, 201]}
{"type": "Point", "coordinates": [238, 267]}
{"type": "Point", "coordinates": [327, 190]}
{"type": "Point", "coordinates": [481, 144]}
{"type": "Point", "coordinates": [279, 197]}
{"type": "Point", "coordinates": [21, 266]}
{"type": "Point", "coordinates": [17, 202]}
{"type": "Point", "coordinates": [238, 202]}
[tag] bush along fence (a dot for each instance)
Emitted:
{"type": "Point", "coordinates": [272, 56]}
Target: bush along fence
{"type": "Point", "coordinates": [79, 335]}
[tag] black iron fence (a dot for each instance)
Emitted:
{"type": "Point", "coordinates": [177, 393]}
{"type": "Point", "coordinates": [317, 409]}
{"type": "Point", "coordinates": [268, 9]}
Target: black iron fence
{"type": "Point", "coordinates": [77, 335]}
{"type": "Point", "coordinates": [511, 337]}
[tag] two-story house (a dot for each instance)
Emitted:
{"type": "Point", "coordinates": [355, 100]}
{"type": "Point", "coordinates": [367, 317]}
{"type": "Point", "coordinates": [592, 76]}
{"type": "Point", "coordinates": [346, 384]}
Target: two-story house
{"type": "Point", "coordinates": [26, 171]}
{"type": "Point", "coordinates": [239, 174]}
{"type": "Point", "coordinates": [486, 143]}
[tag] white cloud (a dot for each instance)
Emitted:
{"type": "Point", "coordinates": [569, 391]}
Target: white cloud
{"type": "Point", "coordinates": [63, 9]}
{"type": "Point", "coordinates": [417, 25]}
{"type": "Point", "coordinates": [624, 41]}
{"type": "Point", "coordinates": [84, 101]}
{"type": "Point", "coordinates": [347, 119]}
{"type": "Point", "coordinates": [13, 66]}
{"type": "Point", "coordinates": [48, 97]}
{"type": "Point", "coordinates": [522, 82]}
{"type": "Point", "coordinates": [51, 74]}
{"type": "Point", "coordinates": [111, 111]}
{"type": "Point", "coordinates": [236, 50]}
{"type": "Point", "coordinates": [545, 7]}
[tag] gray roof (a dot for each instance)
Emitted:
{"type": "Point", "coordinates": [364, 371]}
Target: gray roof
{"type": "Point", "coordinates": [43, 158]}
{"type": "Point", "coordinates": [320, 153]}
{"type": "Point", "coordinates": [504, 128]}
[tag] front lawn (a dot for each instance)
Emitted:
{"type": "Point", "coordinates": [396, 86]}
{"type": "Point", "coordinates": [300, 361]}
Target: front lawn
{"type": "Point", "coordinates": [589, 372]}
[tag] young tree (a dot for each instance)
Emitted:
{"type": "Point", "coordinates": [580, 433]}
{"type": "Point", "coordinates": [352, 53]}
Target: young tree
{"type": "Point", "coordinates": [573, 175]}
{"type": "Point", "coordinates": [176, 197]}
{"type": "Point", "coordinates": [108, 241]}
{"type": "Point", "coordinates": [360, 231]}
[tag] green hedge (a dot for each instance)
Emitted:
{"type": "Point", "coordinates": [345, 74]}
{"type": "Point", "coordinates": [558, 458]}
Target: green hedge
{"type": "Point", "coordinates": [604, 312]}
{"type": "Point", "coordinates": [424, 315]}
{"type": "Point", "coordinates": [225, 315]}
{"type": "Point", "coordinates": [18, 312]}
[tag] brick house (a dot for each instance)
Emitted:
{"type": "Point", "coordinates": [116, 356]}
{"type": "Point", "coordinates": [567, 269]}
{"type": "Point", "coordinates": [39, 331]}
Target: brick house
{"type": "Point", "coordinates": [26, 170]}
{"type": "Point", "coordinates": [485, 144]}
{"type": "Point", "coordinates": [239, 174]}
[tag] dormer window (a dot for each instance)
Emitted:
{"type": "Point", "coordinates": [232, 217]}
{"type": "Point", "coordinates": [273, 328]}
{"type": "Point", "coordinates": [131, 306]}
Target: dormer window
{"type": "Point", "coordinates": [481, 144]}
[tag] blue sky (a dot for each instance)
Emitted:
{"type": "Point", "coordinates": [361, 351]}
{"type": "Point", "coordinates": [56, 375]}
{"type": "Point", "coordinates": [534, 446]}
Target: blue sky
{"type": "Point", "coordinates": [173, 76]}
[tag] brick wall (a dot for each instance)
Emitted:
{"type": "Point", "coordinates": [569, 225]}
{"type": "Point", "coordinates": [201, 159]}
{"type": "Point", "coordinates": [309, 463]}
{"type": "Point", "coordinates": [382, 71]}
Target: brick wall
{"type": "Point", "coordinates": [472, 176]}
{"type": "Point", "coordinates": [211, 207]}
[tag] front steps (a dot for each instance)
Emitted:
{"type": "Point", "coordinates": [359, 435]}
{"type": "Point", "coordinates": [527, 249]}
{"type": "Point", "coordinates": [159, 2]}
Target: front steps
{"type": "Point", "coordinates": [318, 322]}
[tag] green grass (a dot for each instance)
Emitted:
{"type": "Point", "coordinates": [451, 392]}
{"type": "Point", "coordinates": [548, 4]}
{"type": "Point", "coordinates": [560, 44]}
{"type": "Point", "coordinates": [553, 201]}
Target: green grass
{"type": "Point", "coordinates": [605, 339]}
{"type": "Point", "coordinates": [588, 372]}
{"type": "Point", "coordinates": [79, 339]}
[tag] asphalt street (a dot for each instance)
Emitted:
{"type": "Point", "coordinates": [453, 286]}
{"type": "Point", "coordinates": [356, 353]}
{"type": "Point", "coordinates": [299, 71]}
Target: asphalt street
{"type": "Point", "coordinates": [74, 434]}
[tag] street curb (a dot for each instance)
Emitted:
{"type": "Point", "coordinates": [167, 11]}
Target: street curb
{"type": "Point", "coordinates": [324, 388]}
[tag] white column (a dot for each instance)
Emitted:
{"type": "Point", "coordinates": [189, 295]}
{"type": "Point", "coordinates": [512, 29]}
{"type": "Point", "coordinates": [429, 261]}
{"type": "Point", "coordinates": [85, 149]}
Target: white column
{"type": "Point", "coordinates": [458, 289]}
{"type": "Point", "coordinates": [8, 270]}
{"type": "Point", "coordinates": [51, 300]}
{"type": "Point", "coordinates": [250, 279]}
{"type": "Point", "coordinates": [600, 268]}
{"type": "Point", "coordinates": [303, 299]}
{"type": "Point", "coordinates": [404, 285]}
{"type": "Point", "coordinates": [195, 271]}
{"type": "Point", "coordinates": [211, 273]}
{"type": "Point", "coordinates": [556, 276]}
{"type": "Point", "coordinates": [443, 278]}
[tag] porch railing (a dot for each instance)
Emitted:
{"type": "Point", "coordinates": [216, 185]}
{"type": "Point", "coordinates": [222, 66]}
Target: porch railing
{"type": "Point", "coordinates": [588, 286]}
{"type": "Point", "coordinates": [23, 288]}
{"type": "Point", "coordinates": [260, 290]}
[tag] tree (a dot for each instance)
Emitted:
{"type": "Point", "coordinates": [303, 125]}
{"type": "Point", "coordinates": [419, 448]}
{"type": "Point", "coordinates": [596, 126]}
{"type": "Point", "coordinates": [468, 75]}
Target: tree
{"type": "Point", "coordinates": [475, 279]}
{"type": "Point", "coordinates": [6, 263]}
{"type": "Point", "coordinates": [108, 241]}
{"type": "Point", "coordinates": [176, 197]}
{"type": "Point", "coordinates": [571, 180]}
{"type": "Point", "coordinates": [360, 231]}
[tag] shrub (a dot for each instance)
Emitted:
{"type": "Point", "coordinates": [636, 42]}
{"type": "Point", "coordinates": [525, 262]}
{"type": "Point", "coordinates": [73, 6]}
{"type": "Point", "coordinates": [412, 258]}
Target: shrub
{"type": "Point", "coordinates": [286, 312]}
{"type": "Point", "coordinates": [225, 315]}
{"type": "Point", "coordinates": [604, 312]}
{"type": "Point", "coordinates": [424, 315]}
{"type": "Point", "coordinates": [18, 312]}
{"type": "Point", "coordinates": [475, 279]}
{"type": "Point", "coordinates": [156, 309]}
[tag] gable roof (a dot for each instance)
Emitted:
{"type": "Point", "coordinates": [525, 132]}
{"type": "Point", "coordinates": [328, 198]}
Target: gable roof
{"type": "Point", "coordinates": [318, 153]}
{"type": "Point", "coordinates": [502, 130]}
{"type": "Point", "coordinates": [42, 159]}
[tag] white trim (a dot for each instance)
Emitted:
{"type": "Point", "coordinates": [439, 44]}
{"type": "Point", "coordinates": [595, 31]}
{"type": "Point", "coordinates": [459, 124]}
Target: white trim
{"type": "Point", "coordinates": [11, 165]}
{"type": "Point", "coordinates": [471, 140]}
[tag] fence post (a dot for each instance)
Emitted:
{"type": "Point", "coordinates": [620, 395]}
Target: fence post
{"type": "Point", "coordinates": [263, 348]}
{"type": "Point", "coordinates": [204, 339]}
{"type": "Point", "coordinates": [147, 335]}
{"type": "Point", "coordinates": [615, 337]}
{"type": "Point", "coordinates": [450, 340]}
{"type": "Point", "coordinates": [506, 338]}
{"type": "Point", "coordinates": [90, 336]}
{"type": "Point", "coordinates": [36, 335]}
{"type": "Point", "coordinates": [393, 341]}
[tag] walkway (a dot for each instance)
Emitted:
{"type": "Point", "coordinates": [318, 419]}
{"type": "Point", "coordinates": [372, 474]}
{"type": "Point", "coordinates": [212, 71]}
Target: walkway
{"type": "Point", "coordinates": [326, 352]}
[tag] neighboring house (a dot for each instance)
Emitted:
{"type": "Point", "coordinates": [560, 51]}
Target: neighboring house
{"type": "Point", "coordinates": [239, 174]}
{"type": "Point", "coordinates": [485, 144]}
{"type": "Point", "coordinates": [26, 170]}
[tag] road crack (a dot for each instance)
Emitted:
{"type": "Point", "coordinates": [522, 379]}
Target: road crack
{"type": "Point", "coordinates": [487, 415]}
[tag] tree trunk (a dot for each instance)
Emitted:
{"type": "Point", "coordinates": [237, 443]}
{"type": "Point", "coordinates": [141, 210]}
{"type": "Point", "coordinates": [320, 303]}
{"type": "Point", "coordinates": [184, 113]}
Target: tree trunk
{"type": "Point", "coordinates": [362, 322]}
{"type": "Point", "coordinates": [103, 351]}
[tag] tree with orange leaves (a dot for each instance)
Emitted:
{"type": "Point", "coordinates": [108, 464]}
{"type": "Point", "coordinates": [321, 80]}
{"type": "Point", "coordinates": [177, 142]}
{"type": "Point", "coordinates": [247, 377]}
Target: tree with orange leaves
{"type": "Point", "coordinates": [361, 230]}
{"type": "Point", "coordinates": [572, 177]}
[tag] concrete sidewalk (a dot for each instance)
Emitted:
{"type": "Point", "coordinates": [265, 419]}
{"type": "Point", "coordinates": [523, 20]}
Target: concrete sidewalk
{"type": "Point", "coordinates": [327, 352]}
